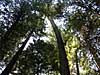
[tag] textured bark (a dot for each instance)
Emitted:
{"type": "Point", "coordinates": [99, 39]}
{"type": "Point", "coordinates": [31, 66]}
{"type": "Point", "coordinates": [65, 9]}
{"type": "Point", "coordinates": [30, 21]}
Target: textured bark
{"type": "Point", "coordinates": [77, 66]}
{"type": "Point", "coordinates": [9, 67]}
{"type": "Point", "coordinates": [64, 66]}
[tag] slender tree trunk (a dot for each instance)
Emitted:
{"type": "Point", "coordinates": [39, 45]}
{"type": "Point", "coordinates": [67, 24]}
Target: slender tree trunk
{"type": "Point", "coordinates": [92, 50]}
{"type": "Point", "coordinates": [95, 56]}
{"type": "Point", "coordinates": [64, 66]}
{"type": "Point", "coordinates": [37, 69]}
{"type": "Point", "coordinates": [9, 67]}
{"type": "Point", "coordinates": [77, 66]}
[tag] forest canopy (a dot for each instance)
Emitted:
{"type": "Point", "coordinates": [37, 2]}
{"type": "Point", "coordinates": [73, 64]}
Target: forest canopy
{"type": "Point", "coordinates": [50, 37]}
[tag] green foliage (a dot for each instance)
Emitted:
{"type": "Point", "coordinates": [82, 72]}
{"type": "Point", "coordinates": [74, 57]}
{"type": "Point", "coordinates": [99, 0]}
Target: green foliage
{"type": "Point", "coordinates": [23, 21]}
{"type": "Point", "coordinates": [40, 56]}
{"type": "Point", "coordinates": [81, 34]}
{"type": "Point", "coordinates": [84, 23]}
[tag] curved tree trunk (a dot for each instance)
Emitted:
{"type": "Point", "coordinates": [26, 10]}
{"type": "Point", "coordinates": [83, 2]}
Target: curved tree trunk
{"type": "Point", "coordinates": [9, 67]}
{"type": "Point", "coordinates": [64, 66]}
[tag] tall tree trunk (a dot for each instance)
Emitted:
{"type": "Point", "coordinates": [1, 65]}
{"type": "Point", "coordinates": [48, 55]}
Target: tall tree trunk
{"type": "Point", "coordinates": [9, 67]}
{"type": "Point", "coordinates": [92, 50]}
{"type": "Point", "coordinates": [4, 40]}
{"type": "Point", "coordinates": [64, 66]}
{"type": "Point", "coordinates": [37, 68]}
{"type": "Point", "coordinates": [77, 66]}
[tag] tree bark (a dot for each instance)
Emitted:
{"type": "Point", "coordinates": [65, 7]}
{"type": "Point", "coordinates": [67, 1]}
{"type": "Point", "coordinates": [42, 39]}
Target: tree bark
{"type": "Point", "coordinates": [64, 66]}
{"type": "Point", "coordinates": [9, 67]}
{"type": "Point", "coordinates": [77, 66]}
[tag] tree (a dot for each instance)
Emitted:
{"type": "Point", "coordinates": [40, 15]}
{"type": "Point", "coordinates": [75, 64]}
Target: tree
{"type": "Point", "coordinates": [16, 34]}
{"type": "Point", "coordinates": [62, 54]}
{"type": "Point", "coordinates": [84, 22]}
{"type": "Point", "coordinates": [64, 66]}
{"type": "Point", "coordinates": [9, 67]}
{"type": "Point", "coordinates": [17, 27]}
{"type": "Point", "coordinates": [75, 50]}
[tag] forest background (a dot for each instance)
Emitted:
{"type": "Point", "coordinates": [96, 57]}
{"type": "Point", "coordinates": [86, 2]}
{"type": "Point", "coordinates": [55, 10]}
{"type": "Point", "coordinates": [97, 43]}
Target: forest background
{"type": "Point", "coordinates": [65, 37]}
